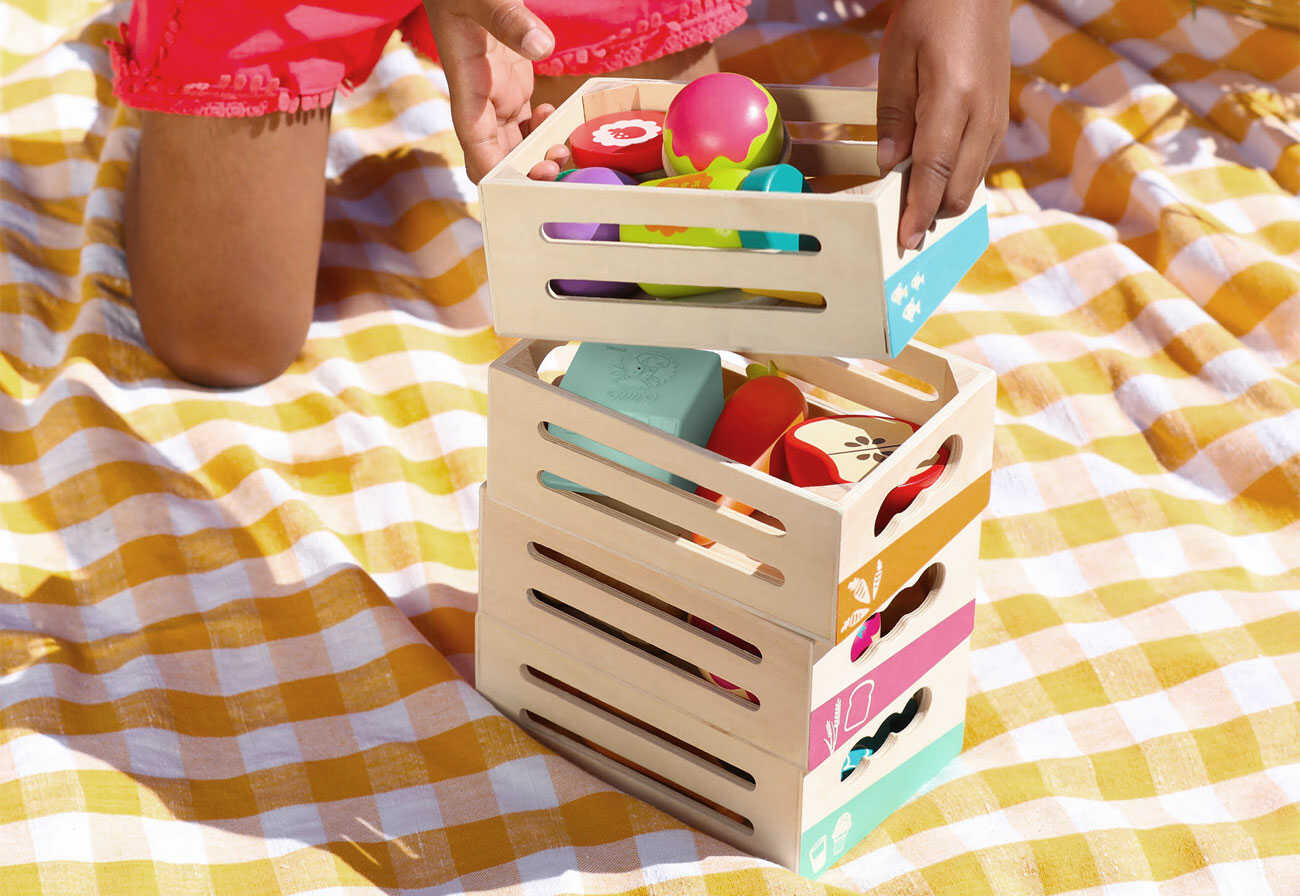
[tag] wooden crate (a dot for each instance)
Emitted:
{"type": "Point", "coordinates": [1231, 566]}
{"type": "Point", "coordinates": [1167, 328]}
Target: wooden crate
{"type": "Point", "coordinates": [875, 297]}
{"type": "Point", "coordinates": [632, 621]}
{"type": "Point", "coordinates": [822, 568]}
{"type": "Point", "coordinates": [592, 685]}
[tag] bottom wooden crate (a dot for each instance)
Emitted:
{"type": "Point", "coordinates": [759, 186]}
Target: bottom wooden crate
{"type": "Point", "coordinates": [708, 777]}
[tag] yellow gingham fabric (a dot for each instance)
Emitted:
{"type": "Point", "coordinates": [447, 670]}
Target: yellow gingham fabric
{"type": "Point", "coordinates": [231, 624]}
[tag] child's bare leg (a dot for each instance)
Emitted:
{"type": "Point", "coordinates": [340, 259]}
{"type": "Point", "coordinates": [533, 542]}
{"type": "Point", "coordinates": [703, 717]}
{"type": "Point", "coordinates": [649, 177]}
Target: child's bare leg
{"type": "Point", "coordinates": [683, 66]}
{"type": "Point", "coordinates": [223, 226]}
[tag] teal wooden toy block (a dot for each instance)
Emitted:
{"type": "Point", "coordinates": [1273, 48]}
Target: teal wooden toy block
{"type": "Point", "coordinates": [675, 390]}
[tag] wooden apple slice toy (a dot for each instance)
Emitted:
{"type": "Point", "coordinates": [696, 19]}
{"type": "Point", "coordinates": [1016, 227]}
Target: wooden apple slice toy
{"type": "Point", "coordinates": [845, 449]}
{"type": "Point", "coordinates": [841, 449]}
{"type": "Point", "coordinates": [901, 498]}
{"type": "Point", "coordinates": [750, 425]}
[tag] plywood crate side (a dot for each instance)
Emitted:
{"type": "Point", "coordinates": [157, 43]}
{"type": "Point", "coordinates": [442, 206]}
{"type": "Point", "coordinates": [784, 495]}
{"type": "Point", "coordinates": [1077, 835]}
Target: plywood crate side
{"type": "Point", "coordinates": [702, 774]}
{"type": "Point", "coordinates": [624, 615]}
{"type": "Point", "coordinates": [763, 791]}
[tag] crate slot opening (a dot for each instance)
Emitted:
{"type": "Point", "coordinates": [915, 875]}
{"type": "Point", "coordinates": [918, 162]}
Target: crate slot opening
{"type": "Point", "coordinates": [579, 570]}
{"type": "Point", "coordinates": [889, 730]}
{"type": "Point", "coordinates": [590, 703]}
{"type": "Point", "coordinates": [831, 131]}
{"type": "Point", "coordinates": [554, 232]}
{"type": "Point", "coordinates": [581, 743]}
{"type": "Point", "coordinates": [673, 533]}
{"type": "Point", "coordinates": [723, 297]}
{"type": "Point", "coordinates": [654, 475]}
{"type": "Point", "coordinates": [904, 503]}
{"type": "Point", "coordinates": [655, 653]}
{"type": "Point", "coordinates": [912, 599]}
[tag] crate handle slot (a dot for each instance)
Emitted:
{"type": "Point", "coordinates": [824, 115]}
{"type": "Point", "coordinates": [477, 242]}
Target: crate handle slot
{"type": "Point", "coordinates": [594, 704]}
{"type": "Point", "coordinates": [719, 553]}
{"type": "Point", "coordinates": [764, 523]}
{"type": "Point", "coordinates": [655, 653]}
{"type": "Point", "coordinates": [726, 298]}
{"type": "Point", "coordinates": [920, 485]}
{"type": "Point", "coordinates": [809, 244]}
{"type": "Point", "coordinates": [890, 729]}
{"type": "Point", "coordinates": [908, 601]}
{"type": "Point", "coordinates": [581, 743]}
{"type": "Point", "coordinates": [557, 560]}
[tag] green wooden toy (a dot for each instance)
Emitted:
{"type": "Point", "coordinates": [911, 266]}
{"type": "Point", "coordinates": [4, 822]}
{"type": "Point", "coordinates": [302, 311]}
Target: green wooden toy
{"type": "Point", "coordinates": [716, 237]}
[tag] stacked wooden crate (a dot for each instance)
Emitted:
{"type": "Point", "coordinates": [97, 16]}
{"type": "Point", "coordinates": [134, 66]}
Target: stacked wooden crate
{"type": "Point", "coordinates": [784, 680]}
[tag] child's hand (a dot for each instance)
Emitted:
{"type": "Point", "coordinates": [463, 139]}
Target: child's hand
{"type": "Point", "coordinates": [945, 71]}
{"type": "Point", "coordinates": [486, 47]}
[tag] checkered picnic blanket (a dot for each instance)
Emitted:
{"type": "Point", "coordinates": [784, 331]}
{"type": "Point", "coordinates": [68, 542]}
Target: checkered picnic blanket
{"type": "Point", "coordinates": [234, 627]}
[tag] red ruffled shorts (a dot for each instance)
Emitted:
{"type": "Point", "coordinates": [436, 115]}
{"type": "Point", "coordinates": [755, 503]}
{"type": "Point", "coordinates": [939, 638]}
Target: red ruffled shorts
{"type": "Point", "coordinates": [252, 57]}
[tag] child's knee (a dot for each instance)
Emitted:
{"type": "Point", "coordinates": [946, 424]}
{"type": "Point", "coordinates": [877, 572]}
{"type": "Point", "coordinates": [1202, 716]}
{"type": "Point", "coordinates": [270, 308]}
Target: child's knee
{"type": "Point", "coordinates": [231, 352]}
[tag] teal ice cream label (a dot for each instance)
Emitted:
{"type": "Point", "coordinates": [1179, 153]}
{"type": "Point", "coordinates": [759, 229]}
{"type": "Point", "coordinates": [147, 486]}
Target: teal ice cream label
{"type": "Point", "coordinates": [826, 842]}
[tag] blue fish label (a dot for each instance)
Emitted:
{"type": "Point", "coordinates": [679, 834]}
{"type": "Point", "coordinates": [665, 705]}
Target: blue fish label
{"type": "Point", "coordinates": [917, 288]}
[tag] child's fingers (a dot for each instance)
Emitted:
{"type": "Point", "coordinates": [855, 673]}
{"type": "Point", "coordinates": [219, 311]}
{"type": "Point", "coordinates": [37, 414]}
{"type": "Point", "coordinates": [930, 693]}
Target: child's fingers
{"type": "Point", "coordinates": [895, 102]}
{"type": "Point", "coordinates": [560, 154]}
{"type": "Point", "coordinates": [540, 114]}
{"type": "Point", "coordinates": [482, 149]}
{"type": "Point", "coordinates": [939, 128]}
{"type": "Point", "coordinates": [514, 24]}
{"type": "Point", "coordinates": [510, 136]}
{"type": "Point", "coordinates": [547, 170]}
{"type": "Point", "coordinates": [971, 164]}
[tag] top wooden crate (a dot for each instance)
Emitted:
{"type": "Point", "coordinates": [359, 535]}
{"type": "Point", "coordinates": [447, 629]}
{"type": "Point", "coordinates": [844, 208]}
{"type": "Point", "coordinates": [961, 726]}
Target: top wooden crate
{"type": "Point", "coordinates": [876, 297]}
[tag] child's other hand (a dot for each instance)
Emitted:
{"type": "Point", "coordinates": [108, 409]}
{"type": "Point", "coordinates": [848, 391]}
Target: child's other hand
{"type": "Point", "coordinates": [487, 48]}
{"type": "Point", "coordinates": [945, 71]}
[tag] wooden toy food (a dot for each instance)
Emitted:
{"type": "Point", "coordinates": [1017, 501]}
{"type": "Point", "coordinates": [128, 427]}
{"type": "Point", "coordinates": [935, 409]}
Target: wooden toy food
{"type": "Point", "coordinates": [717, 237]}
{"type": "Point", "coordinates": [589, 231]}
{"type": "Point", "coordinates": [677, 390]}
{"type": "Point", "coordinates": [631, 142]}
{"type": "Point", "coordinates": [845, 449]}
{"type": "Point", "coordinates": [722, 120]}
{"type": "Point", "coordinates": [781, 178]}
{"type": "Point", "coordinates": [901, 498]}
{"type": "Point", "coordinates": [751, 423]}
{"type": "Point", "coordinates": [840, 449]}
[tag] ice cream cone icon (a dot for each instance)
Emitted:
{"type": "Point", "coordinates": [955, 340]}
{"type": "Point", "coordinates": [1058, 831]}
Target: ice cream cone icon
{"type": "Point", "coordinates": [843, 825]}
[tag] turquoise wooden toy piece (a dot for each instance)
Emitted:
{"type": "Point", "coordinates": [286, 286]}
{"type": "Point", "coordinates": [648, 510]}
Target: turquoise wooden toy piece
{"type": "Point", "coordinates": [677, 390]}
{"type": "Point", "coordinates": [772, 179]}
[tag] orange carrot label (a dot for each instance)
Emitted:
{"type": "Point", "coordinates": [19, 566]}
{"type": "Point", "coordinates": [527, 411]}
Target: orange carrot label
{"type": "Point", "coordinates": [880, 578]}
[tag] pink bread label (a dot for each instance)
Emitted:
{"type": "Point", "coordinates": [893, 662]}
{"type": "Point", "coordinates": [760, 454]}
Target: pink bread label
{"type": "Point", "coordinates": [840, 719]}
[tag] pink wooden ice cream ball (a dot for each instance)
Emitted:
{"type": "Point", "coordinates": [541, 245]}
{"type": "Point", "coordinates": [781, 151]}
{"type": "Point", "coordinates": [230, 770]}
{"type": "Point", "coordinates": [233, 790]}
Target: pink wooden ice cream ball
{"type": "Point", "coordinates": [722, 120]}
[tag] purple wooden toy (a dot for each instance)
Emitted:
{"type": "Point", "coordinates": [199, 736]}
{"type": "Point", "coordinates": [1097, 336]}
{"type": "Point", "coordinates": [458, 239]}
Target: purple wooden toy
{"type": "Point", "coordinates": [562, 230]}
